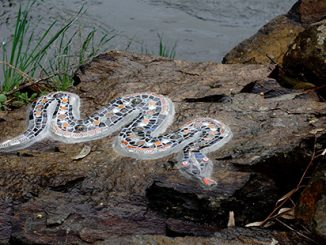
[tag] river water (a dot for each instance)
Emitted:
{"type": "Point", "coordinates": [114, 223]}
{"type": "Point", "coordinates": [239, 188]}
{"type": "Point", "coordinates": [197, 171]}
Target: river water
{"type": "Point", "coordinates": [202, 29]}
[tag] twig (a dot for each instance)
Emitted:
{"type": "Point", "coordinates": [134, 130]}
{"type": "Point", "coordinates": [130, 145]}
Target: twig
{"type": "Point", "coordinates": [281, 214]}
{"type": "Point", "coordinates": [310, 163]}
{"type": "Point", "coordinates": [275, 63]}
{"type": "Point", "coordinates": [20, 72]}
{"type": "Point", "coordinates": [299, 233]}
{"type": "Point", "coordinates": [30, 83]}
{"type": "Point", "coordinates": [298, 186]}
{"type": "Point", "coordinates": [272, 60]}
{"type": "Point", "coordinates": [293, 204]}
{"type": "Point", "coordinates": [314, 89]}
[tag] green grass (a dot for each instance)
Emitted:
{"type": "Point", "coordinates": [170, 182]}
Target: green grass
{"type": "Point", "coordinates": [73, 51]}
{"type": "Point", "coordinates": [57, 51]}
{"type": "Point", "coordinates": [25, 54]}
{"type": "Point", "coordinates": [164, 51]}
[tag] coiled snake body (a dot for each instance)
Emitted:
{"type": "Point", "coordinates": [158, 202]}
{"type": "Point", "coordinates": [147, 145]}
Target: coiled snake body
{"type": "Point", "coordinates": [142, 118]}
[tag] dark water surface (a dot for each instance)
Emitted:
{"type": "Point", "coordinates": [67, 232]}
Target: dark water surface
{"type": "Point", "coordinates": [203, 29]}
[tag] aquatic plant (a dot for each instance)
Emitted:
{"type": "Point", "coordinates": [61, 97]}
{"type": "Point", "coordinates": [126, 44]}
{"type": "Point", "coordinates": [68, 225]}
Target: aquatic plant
{"type": "Point", "coordinates": [164, 51]}
{"type": "Point", "coordinates": [55, 52]}
{"type": "Point", "coordinates": [24, 53]}
{"type": "Point", "coordinates": [52, 55]}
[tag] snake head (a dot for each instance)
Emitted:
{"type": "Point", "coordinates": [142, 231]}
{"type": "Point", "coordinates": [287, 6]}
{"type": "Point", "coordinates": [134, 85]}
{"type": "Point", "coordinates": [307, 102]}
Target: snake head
{"type": "Point", "coordinates": [199, 167]}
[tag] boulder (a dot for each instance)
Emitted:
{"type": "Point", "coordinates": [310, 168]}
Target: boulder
{"type": "Point", "coordinates": [306, 57]}
{"type": "Point", "coordinates": [271, 42]}
{"type": "Point", "coordinates": [308, 11]}
{"type": "Point", "coordinates": [268, 45]}
{"type": "Point", "coordinates": [50, 197]}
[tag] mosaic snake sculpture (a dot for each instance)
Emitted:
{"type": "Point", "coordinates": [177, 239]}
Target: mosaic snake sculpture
{"type": "Point", "coordinates": [142, 118]}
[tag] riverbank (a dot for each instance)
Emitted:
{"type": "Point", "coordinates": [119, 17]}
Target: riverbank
{"type": "Point", "coordinates": [203, 31]}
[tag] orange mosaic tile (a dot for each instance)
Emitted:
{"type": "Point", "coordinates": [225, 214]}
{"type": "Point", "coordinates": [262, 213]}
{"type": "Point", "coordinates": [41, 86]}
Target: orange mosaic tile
{"type": "Point", "coordinates": [65, 124]}
{"type": "Point", "coordinates": [65, 100]}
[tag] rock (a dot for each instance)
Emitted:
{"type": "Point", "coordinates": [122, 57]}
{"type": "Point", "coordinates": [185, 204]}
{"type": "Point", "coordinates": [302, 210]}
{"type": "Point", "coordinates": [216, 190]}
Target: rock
{"type": "Point", "coordinates": [305, 59]}
{"type": "Point", "coordinates": [270, 42]}
{"type": "Point", "coordinates": [107, 198]}
{"type": "Point", "coordinates": [308, 11]}
{"type": "Point", "coordinates": [5, 220]}
{"type": "Point", "coordinates": [311, 208]}
{"type": "Point", "coordinates": [274, 38]}
{"type": "Point", "coordinates": [269, 88]}
{"type": "Point", "coordinates": [320, 217]}
{"type": "Point", "coordinates": [227, 236]}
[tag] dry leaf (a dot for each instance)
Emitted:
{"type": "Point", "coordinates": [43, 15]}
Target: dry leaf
{"type": "Point", "coordinates": [231, 221]}
{"type": "Point", "coordinates": [287, 195]}
{"type": "Point", "coordinates": [274, 242]}
{"type": "Point", "coordinates": [286, 213]}
{"type": "Point", "coordinates": [83, 153]}
{"type": "Point", "coordinates": [268, 224]}
{"type": "Point", "coordinates": [259, 224]}
{"type": "Point", "coordinates": [316, 131]}
{"type": "Point", "coordinates": [254, 224]}
{"type": "Point", "coordinates": [324, 152]}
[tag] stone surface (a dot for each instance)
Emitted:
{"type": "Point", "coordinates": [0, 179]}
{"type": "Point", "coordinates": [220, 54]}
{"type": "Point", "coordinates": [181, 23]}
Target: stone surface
{"type": "Point", "coordinates": [271, 41]}
{"type": "Point", "coordinates": [308, 11]}
{"type": "Point", "coordinates": [234, 236]}
{"type": "Point", "coordinates": [320, 217]}
{"type": "Point", "coordinates": [305, 60]}
{"type": "Point", "coordinates": [5, 220]}
{"type": "Point", "coordinates": [108, 198]}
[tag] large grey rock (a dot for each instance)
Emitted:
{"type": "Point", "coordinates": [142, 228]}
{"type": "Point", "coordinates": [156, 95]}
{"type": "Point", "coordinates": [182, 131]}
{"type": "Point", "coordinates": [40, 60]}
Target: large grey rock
{"type": "Point", "coordinates": [107, 197]}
